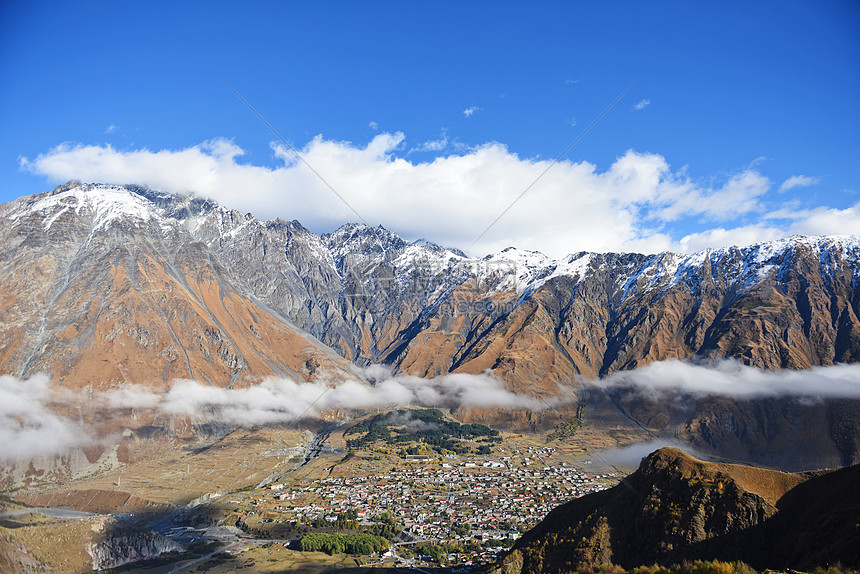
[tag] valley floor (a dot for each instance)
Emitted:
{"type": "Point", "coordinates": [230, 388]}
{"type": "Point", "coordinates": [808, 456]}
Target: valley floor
{"type": "Point", "coordinates": [277, 485]}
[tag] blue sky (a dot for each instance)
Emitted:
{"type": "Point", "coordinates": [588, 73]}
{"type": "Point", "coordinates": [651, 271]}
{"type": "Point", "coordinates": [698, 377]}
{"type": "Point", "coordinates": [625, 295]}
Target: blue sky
{"type": "Point", "coordinates": [430, 119]}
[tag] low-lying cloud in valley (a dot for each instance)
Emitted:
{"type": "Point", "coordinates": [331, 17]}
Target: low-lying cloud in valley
{"type": "Point", "coordinates": [282, 400]}
{"type": "Point", "coordinates": [31, 422]}
{"type": "Point", "coordinates": [28, 427]}
{"type": "Point", "coordinates": [632, 454]}
{"type": "Point", "coordinates": [730, 378]}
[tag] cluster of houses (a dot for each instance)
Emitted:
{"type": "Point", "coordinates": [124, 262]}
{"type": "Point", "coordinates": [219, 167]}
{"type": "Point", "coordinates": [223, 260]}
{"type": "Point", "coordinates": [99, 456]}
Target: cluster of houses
{"type": "Point", "coordinates": [495, 497]}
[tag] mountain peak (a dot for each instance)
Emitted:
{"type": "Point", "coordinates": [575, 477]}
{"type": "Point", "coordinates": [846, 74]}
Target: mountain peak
{"type": "Point", "coordinates": [359, 237]}
{"type": "Point", "coordinates": [669, 456]}
{"type": "Point", "coordinates": [103, 203]}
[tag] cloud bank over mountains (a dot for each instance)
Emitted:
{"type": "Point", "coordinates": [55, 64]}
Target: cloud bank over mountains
{"type": "Point", "coordinates": [630, 206]}
{"type": "Point", "coordinates": [31, 423]}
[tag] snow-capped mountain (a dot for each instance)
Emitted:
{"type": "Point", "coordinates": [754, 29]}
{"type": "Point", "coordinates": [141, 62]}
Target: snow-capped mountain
{"type": "Point", "coordinates": [102, 285]}
{"type": "Point", "coordinates": [373, 296]}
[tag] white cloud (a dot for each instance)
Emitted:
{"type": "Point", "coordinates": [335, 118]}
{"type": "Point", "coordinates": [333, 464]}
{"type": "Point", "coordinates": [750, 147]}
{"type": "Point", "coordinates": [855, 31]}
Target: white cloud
{"type": "Point", "coordinates": [817, 221]}
{"type": "Point", "coordinates": [642, 104]}
{"type": "Point", "coordinates": [632, 454]}
{"type": "Point", "coordinates": [731, 378]}
{"type": "Point", "coordinates": [433, 145]}
{"type": "Point", "coordinates": [129, 397]}
{"type": "Point", "coordinates": [741, 194]}
{"type": "Point", "coordinates": [374, 126]}
{"type": "Point", "coordinates": [110, 129]}
{"type": "Point", "coordinates": [30, 427]}
{"type": "Point", "coordinates": [798, 181]}
{"type": "Point", "coordinates": [453, 198]}
{"type": "Point", "coordinates": [27, 427]}
{"type": "Point", "coordinates": [471, 110]}
{"type": "Point", "coordinates": [827, 221]}
{"type": "Point", "coordinates": [283, 400]}
{"type": "Point", "coordinates": [720, 237]}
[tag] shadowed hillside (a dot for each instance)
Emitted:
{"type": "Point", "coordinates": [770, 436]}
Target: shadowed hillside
{"type": "Point", "coordinates": [676, 508]}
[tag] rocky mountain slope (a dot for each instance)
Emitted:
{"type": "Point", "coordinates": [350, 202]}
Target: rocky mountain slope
{"type": "Point", "coordinates": [102, 284]}
{"type": "Point", "coordinates": [99, 286]}
{"type": "Point", "coordinates": [677, 508]}
{"type": "Point", "coordinates": [193, 289]}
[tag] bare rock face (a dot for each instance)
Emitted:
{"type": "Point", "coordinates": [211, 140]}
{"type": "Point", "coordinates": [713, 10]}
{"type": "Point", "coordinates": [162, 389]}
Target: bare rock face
{"type": "Point", "coordinates": [117, 544]}
{"type": "Point", "coordinates": [129, 284]}
{"type": "Point", "coordinates": [101, 285]}
{"type": "Point", "coordinates": [778, 432]}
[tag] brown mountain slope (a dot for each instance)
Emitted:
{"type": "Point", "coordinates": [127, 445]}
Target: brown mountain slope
{"type": "Point", "coordinates": [676, 508]}
{"type": "Point", "coordinates": [97, 501]}
{"type": "Point", "coordinates": [101, 285]}
{"type": "Point", "coordinates": [97, 304]}
{"type": "Point", "coordinates": [161, 267]}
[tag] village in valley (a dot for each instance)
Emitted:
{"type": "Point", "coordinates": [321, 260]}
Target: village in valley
{"type": "Point", "coordinates": [433, 505]}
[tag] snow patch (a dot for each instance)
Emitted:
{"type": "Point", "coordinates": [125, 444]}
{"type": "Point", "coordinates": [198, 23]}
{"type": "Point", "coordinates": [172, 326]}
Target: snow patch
{"type": "Point", "coordinates": [106, 203]}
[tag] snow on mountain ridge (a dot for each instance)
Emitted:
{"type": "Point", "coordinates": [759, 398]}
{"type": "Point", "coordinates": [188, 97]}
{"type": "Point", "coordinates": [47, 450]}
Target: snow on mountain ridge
{"type": "Point", "coordinates": [510, 269]}
{"type": "Point", "coordinates": [743, 267]}
{"type": "Point", "coordinates": [107, 203]}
